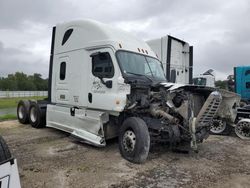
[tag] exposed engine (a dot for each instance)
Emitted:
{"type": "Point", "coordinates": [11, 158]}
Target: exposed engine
{"type": "Point", "coordinates": [175, 113]}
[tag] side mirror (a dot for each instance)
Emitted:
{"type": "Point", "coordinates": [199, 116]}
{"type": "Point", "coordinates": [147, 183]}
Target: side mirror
{"type": "Point", "coordinates": [108, 83]}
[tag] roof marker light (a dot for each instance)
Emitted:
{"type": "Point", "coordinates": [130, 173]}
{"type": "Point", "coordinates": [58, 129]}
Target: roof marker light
{"type": "Point", "coordinates": [120, 45]}
{"type": "Point", "coordinates": [146, 51]}
{"type": "Point", "coordinates": [142, 50]}
{"type": "Point", "coordinates": [139, 50]}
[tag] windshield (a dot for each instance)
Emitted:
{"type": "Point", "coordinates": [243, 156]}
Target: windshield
{"type": "Point", "coordinates": [136, 64]}
{"type": "Point", "coordinates": [200, 81]}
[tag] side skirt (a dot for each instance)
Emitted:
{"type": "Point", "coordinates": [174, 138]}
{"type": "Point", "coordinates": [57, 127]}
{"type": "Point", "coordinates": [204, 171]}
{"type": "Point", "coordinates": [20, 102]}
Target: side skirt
{"type": "Point", "coordinates": [85, 124]}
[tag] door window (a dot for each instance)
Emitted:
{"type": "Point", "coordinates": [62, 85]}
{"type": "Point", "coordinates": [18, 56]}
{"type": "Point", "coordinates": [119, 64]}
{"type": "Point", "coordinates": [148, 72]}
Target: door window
{"type": "Point", "coordinates": [62, 70]}
{"type": "Point", "coordinates": [247, 73]}
{"type": "Point", "coordinates": [248, 85]}
{"type": "Point", "coordinates": [102, 65]}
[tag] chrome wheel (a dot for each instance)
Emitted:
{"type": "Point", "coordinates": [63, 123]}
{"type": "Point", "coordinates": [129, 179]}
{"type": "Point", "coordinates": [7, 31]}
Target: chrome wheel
{"type": "Point", "coordinates": [242, 129]}
{"type": "Point", "coordinates": [21, 112]}
{"type": "Point", "coordinates": [33, 114]}
{"type": "Point", "coordinates": [218, 126]}
{"type": "Point", "coordinates": [129, 140]}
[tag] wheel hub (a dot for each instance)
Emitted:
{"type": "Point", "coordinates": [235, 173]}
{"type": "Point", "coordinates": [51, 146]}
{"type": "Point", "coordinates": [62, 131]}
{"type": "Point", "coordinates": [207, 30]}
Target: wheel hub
{"type": "Point", "coordinates": [129, 140]}
{"type": "Point", "coordinates": [21, 112]}
{"type": "Point", "coordinates": [217, 126]}
{"type": "Point", "coordinates": [33, 114]}
{"type": "Point", "coordinates": [242, 130]}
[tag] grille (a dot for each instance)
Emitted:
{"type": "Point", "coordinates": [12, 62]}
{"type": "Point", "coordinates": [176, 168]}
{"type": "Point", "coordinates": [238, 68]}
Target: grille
{"type": "Point", "coordinates": [209, 109]}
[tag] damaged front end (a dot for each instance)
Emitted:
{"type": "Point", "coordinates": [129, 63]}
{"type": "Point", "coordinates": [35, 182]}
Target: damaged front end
{"type": "Point", "coordinates": [180, 113]}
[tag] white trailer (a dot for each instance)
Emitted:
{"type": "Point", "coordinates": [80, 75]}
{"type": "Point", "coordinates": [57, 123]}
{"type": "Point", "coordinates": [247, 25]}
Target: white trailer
{"type": "Point", "coordinates": [176, 56]}
{"type": "Point", "coordinates": [105, 83]}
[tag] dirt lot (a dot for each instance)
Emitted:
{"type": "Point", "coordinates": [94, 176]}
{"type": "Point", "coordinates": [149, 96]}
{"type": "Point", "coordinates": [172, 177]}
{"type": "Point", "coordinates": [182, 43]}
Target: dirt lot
{"type": "Point", "coordinates": [50, 158]}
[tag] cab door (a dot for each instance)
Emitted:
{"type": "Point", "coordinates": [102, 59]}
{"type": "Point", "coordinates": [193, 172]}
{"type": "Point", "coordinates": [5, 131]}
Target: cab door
{"type": "Point", "coordinates": [62, 80]}
{"type": "Point", "coordinates": [104, 72]}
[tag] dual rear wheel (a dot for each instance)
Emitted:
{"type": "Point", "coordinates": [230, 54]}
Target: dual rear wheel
{"type": "Point", "coordinates": [31, 112]}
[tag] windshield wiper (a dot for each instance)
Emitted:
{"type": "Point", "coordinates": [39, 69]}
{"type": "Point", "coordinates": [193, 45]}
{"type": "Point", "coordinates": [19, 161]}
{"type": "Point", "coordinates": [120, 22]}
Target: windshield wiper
{"type": "Point", "coordinates": [140, 75]}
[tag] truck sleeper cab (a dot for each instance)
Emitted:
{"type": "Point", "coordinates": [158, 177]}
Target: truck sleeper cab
{"type": "Point", "coordinates": [105, 83]}
{"type": "Point", "coordinates": [242, 82]}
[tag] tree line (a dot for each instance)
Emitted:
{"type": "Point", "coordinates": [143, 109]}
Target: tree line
{"type": "Point", "coordinates": [22, 82]}
{"type": "Point", "coordinates": [222, 84]}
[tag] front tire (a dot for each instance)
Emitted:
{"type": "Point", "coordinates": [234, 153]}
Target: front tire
{"type": "Point", "coordinates": [134, 140]}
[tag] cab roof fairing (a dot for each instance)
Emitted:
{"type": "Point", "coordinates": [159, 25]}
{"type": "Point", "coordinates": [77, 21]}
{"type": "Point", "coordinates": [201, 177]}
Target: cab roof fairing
{"type": "Point", "coordinates": [89, 33]}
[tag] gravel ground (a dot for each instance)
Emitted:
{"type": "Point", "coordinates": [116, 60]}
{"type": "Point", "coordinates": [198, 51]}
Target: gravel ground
{"type": "Point", "coordinates": [51, 158]}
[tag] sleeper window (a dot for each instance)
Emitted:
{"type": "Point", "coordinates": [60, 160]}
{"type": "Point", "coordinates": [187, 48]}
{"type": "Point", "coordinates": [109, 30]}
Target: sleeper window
{"type": "Point", "coordinates": [102, 65]}
{"type": "Point", "coordinates": [248, 85]}
{"type": "Point", "coordinates": [247, 72]}
{"type": "Point", "coordinates": [66, 36]}
{"type": "Point", "coordinates": [62, 70]}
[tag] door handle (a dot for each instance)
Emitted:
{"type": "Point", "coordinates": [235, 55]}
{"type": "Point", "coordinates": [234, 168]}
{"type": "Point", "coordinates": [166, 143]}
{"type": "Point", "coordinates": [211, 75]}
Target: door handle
{"type": "Point", "coordinates": [90, 97]}
{"type": "Point", "coordinates": [72, 110]}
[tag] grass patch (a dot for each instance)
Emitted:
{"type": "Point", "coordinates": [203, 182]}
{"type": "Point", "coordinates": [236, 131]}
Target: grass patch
{"type": "Point", "coordinates": [7, 117]}
{"type": "Point", "coordinates": [12, 102]}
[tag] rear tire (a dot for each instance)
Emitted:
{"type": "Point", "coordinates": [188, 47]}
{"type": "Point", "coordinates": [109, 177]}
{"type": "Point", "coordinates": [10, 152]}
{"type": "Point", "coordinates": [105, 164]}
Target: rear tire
{"type": "Point", "coordinates": [23, 111]}
{"type": "Point", "coordinates": [134, 140]}
{"type": "Point", "coordinates": [4, 151]}
{"type": "Point", "coordinates": [37, 115]}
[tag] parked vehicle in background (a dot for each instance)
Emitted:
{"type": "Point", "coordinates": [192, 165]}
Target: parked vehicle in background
{"type": "Point", "coordinates": [205, 79]}
{"type": "Point", "coordinates": [105, 83]}
{"type": "Point", "coordinates": [9, 177]}
{"type": "Point", "coordinates": [176, 56]}
{"type": "Point", "coordinates": [242, 82]}
{"type": "Point", "coordinates": [177, 60]}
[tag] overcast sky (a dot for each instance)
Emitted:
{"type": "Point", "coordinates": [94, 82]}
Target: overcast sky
{"type": "Point", "coordinates": [219, 30]}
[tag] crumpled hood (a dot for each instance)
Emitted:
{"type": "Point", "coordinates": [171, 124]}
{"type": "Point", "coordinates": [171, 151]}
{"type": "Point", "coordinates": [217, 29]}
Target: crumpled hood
{"type": "Point", "coordinates": [173, 86]}
{"type": "Point", "coordinates": [229, 104]}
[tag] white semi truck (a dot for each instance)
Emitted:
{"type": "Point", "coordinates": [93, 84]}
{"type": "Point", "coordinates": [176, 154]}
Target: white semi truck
{"type": "Point", "coordinates": [205, 79]}
{"type": "Point", "coordinates": [176, 56]}
{"type": "Point", "coordinates": [105, 83]}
